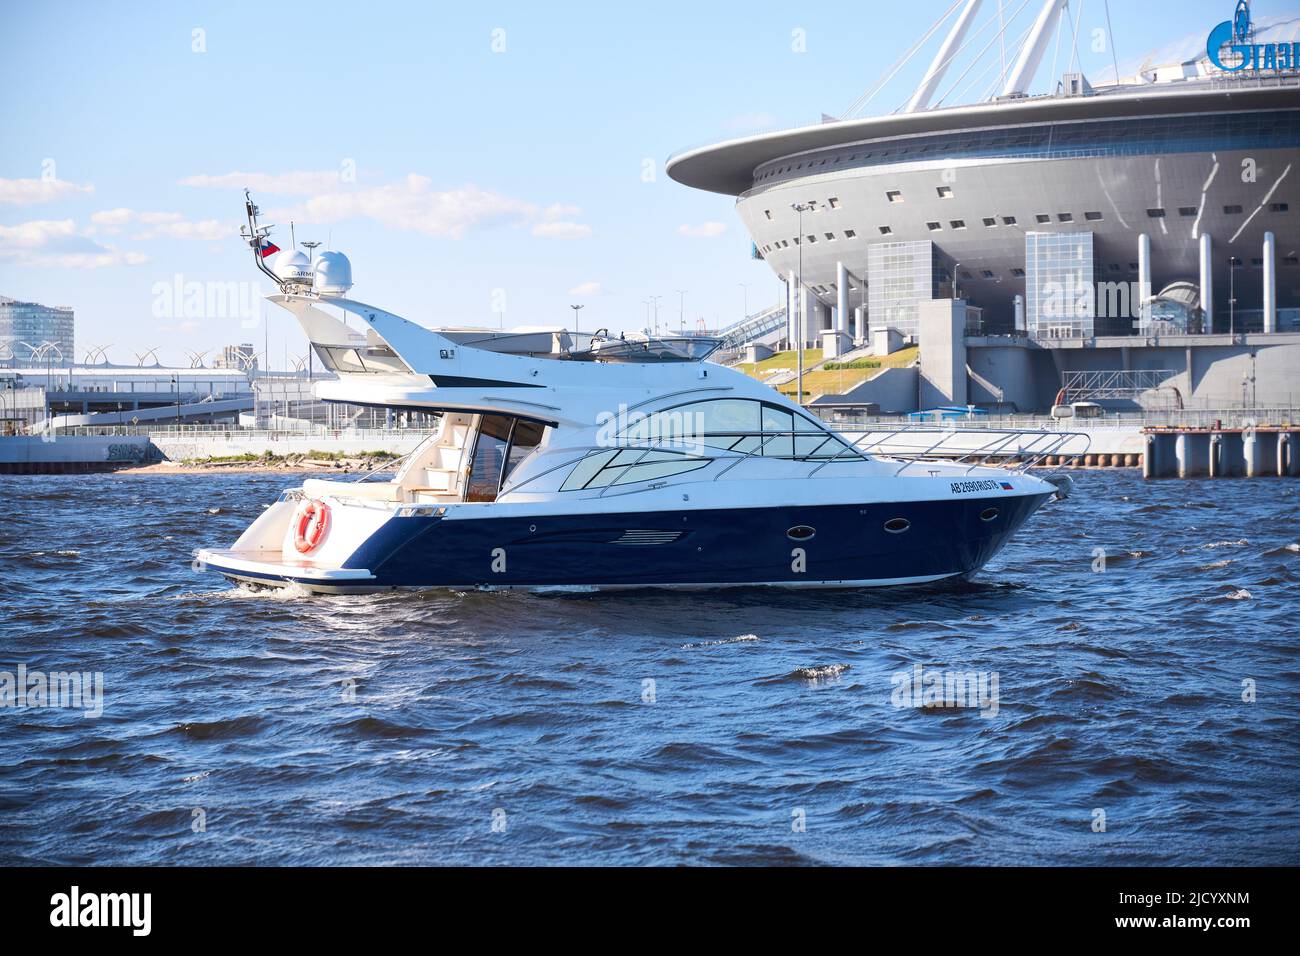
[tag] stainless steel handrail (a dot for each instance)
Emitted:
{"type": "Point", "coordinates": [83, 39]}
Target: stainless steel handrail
{"type": "Point", "coordinates": [1041, 444]}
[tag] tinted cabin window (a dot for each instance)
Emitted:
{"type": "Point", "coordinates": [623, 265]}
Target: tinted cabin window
{"type": "Point", "coordinates": [489, 458]}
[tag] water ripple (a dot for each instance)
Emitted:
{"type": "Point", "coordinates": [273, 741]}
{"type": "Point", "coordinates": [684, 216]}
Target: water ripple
{"type": "Point", "coordinates": [1159, 686]}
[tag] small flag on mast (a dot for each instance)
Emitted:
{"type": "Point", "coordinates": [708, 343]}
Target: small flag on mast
{"type": "Point", "coordinates": [267, 248]}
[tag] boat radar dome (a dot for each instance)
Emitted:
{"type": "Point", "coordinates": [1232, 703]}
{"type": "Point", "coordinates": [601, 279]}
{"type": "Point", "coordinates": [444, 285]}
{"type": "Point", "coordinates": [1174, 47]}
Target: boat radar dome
{"type": "Point", "coordinates": [333, 274]}
{"type": "Point", "coordinates": [292, 267]}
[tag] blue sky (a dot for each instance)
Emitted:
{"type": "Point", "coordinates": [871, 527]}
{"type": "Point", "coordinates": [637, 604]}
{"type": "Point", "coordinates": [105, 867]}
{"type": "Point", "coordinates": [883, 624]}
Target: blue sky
{"type": "Point", "coordinates": [465, 156]}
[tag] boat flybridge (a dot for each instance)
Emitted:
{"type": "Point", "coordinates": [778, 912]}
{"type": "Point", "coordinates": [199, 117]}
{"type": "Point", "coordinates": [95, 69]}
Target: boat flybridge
{"type": "Point", "coordinates": [586, 469]}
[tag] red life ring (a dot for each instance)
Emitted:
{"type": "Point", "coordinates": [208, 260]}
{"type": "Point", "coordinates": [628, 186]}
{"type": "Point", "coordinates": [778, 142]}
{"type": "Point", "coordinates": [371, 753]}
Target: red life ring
{"type": "Point", "coordinates": [310, 525]}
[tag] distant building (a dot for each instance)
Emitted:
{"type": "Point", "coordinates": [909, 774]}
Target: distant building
{"type": "Point", "coordinates": [241, 357]}
{"type": "Point", "coordinates": [1132, 240]}
{"type": "Point", "coordinates": [35, 334]}
{"type": "Point", "coordinates": [1124, 181]}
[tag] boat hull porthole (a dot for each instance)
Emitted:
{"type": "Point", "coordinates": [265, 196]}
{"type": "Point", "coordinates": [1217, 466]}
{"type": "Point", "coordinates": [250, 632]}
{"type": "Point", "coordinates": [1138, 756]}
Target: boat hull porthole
{"type": "Point", "coordinates": [897, 525]}
{"type": "Point", "coordinates": [988, 514]}
{"type": "Point", "coordinates": [801, 532]}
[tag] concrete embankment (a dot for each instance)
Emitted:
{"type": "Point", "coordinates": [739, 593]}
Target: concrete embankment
{"type": "Point", "coordinates": [39, 454]}
{"type": "Point", "coordinates": [204, 450]}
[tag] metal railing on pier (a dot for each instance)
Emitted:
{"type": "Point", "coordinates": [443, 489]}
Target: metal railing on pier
{"type": "Point", "coordinates": [843, 418]}
{"type": "Point", "coordinates": [208, 433]}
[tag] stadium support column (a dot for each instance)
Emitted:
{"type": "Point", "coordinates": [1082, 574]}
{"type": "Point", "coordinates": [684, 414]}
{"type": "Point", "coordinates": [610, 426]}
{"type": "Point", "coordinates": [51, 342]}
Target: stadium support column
{"type": "Point", "coordinates": [841, 297]}
{"type": "Point", "coordinates": [790, 306]}
{"type": "Point", "coordinates": [1031, 53]}
{"type": "Point", "coordinates": [1144, 281]}
{"type": "Point", "coordinates": [1270, 283]}
{"type": "Point", "coordinates": [1207, 280]}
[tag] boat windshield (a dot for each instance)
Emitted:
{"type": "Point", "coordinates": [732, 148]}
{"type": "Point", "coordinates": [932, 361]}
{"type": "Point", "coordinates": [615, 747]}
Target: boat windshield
{"type": "Point", "coordinates": [746, 426]}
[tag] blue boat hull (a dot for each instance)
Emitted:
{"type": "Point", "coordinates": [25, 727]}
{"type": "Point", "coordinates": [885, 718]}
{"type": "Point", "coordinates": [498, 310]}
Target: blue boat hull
{"type": "Point", "coordinates": [844, 545]}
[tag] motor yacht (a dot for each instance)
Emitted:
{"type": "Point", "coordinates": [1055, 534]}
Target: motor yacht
{"type": "Point", "coordinates": [604, 468]}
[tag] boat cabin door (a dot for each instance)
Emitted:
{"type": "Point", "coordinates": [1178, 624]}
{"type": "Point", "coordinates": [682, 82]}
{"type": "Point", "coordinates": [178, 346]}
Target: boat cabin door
{"type": "Point", "coordinates": [502, 441]}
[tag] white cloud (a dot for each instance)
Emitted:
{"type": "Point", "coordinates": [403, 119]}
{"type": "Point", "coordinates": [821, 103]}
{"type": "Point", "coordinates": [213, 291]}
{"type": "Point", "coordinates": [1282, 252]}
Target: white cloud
{"type": "Point", "coordinates": [413, 204]}
{"type": "Point", "coordinates": [203, 229]}
{"type": "Point", "coordinates": [21, 192]}
{"type": "Point", "coordinates": [160, 225]}
{"type": "Point", "coordinates": [587, 289]}
{"type": "Point", "coordinates": [705, 230]}
{"type": "Point", "coordinates": [34, 235]}
{"type": "Point", "coordinates": [303, 182]}
{"type": "Point", "coordinates": [112, 217]}
{"type": "Point", "coordinates": [55, 243]}
{"type": "Point", "coordinates": [558, 222]}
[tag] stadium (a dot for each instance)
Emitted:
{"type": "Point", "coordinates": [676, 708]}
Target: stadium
{"type": "Point", "coordinates": [1142, 225]}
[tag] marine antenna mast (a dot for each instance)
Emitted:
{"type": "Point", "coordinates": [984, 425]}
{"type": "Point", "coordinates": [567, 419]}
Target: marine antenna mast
{"type": "Point", "coordinates": [255, 235]}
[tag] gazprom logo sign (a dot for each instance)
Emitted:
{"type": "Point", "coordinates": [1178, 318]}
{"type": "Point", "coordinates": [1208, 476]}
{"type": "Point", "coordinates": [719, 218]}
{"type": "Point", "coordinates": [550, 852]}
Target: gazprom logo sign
{"type": "Point", "coordinates": [1235, 35]}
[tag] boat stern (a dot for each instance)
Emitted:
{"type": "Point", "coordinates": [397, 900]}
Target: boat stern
{"type": "Point", "coordinates": [323, 543]}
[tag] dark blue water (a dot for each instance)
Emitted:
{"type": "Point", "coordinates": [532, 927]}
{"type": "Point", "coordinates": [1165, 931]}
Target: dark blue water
{"type": "Point", "coordinates": [404, 728]}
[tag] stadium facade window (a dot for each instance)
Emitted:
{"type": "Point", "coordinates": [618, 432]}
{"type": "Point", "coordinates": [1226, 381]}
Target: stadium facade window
{"type": "Point", "coordinates": [1147, 136]}
{"type": "Point", "coordinates": [901, 275]}
{"type": "Point", "coordinates": [1059, 285]}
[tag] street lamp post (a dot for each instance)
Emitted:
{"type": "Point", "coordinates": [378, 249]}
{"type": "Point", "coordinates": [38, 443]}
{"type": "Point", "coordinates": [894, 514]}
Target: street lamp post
{"type": "Point", "coordinates": [1232, 295]}
{"type": "Point", "coordinates": [799, 327]}
{"type": "Point", "coordinates": [681, 309]}
{"type": "Point", "coordinates": [576, 309]}
{"type": "Point", "coordinates": [744, 300]}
